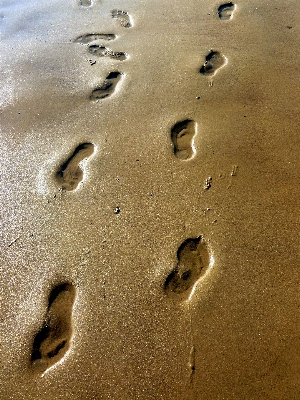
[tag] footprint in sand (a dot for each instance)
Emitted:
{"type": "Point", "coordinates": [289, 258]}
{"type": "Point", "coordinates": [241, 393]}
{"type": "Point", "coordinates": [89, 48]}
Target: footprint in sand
{"type": "Point", "coordinates": [54, 339]}
{"type": "Point", "coordinates": [193, 263]}
{"type": "Point", "coordinates": [92, 37]}
{"type": "Point", "coordinates": [123, 17]}
{"type": "Point", "coordinates": [101, 51]}
{"type": "Point", "coordinates": [69, 175]}
{"type": "Point", "coordinates": [213, 62]}
{"type": "Point", "coordinates": [182, 136]}
{"type": "Point", "coordinates": [225, 11]}
{"type": "Point", "coordinates": [108, 87]}
{"type": "Point", "coordinates": [85, 3]}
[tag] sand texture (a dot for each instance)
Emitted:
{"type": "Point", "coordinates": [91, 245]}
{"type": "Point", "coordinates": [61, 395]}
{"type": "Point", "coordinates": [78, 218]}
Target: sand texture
{"type": "Point", "coordinates": [149, 196]}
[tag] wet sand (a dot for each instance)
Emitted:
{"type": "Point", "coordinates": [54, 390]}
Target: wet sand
{"type": "Point", "coordinates": [149, 200]}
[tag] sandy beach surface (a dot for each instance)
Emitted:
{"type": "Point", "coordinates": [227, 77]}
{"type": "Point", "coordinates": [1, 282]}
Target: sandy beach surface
{"type": "Point", "coordinates": [149, 196]}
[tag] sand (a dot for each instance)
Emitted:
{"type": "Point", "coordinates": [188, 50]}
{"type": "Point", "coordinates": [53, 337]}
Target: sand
{"type": "Point", "coordinates": [149, 200]}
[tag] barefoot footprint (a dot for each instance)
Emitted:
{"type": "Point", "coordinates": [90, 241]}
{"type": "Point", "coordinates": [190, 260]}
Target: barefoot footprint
{"type": "Point", "coordinates": [69, 175]}
{"type": "Point", "coordinates": [108, 87]}
{"type": "Point", "coordinates": [193, 263]}
{"type": "Point", "coordinates": [123, 17]}
{"type": "Point", "coordinates": [92, 37]}
{"type": "Point", "coordinates": [225, 11]}
{"type": "Point", "coordinates": [213, 62]}
{"type": "Point", "coordinates": [85, 3]}
{"type": "Point", "coordinates": [54, 339]}
{"type": "Point", "coordinates": [182, 136]}
{"type": "Point", "coordinates": [101, 51]}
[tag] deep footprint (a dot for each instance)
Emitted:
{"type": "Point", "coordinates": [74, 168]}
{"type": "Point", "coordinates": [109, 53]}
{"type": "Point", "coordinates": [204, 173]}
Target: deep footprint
{"type": "Point", "coordinates": [213, 61]}
{"type": "Point", "coordinates": [70, 174]}
{"type": "Point", "coordinates": [225, 11]}
{"type": "Point", "coordinates": [108, 87]}
{"type": "Point", "coordinates": [182, 136]}
{"type": "Point", "coordinates": [193, 263]}
{"type": "Point", "coordinates": [54, 339]}
{"type": "Point", "coordinates": [92, 37]}
{"type": "Point", "coordinates": [101, 51]}
{"type": "Point", "coordinates": [123, 17]}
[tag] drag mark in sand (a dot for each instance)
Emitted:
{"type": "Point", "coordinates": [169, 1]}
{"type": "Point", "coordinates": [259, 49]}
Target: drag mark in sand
{"type": "Point", "coordinates": [69, 175]}
{"type": "Point", "coordinates": [92, 37]}
{"type": "Point", "coordinates": [191, 363]}
{"type": "Point", "coordinates": [213, 62]}
{"type": "Point", "coordinates": [101, 51]}
{"type": "Point", "coordinates": [182, 136]}
{"type": "Point", "coordinates": [54, 339]}
{"type": "Point", "coordinates": [108, 87]}
{"type": "Point", "coordinates": [225, 11]}
{"type": "Point", "coordinates": [123, 17]}
{"type": "Point", "coordinates": [194, 262]}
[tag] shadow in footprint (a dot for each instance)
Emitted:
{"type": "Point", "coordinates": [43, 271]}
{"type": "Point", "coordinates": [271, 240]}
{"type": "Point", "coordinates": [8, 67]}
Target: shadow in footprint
{"type": "Point", "coordinates": [92, 37]}
{"type": "Point", "coordinates": [101, 51]}
{"type": "Point", "coordinates": [54, 339]}
{"type": "Point", "coordinates": [213, 61]}
{"type": "Point", "coordinates": [108, 87]}
{"type": "Point", "coordinates": [193, 263]}
{"type": "Point", "coordinates": [123, 17]}
{"type": "Point", "coordinates": [182, 136]}
{"type": "Point", "coordinates": [70, 174]}
{"type": "Point", "coordinates": [225, 11]}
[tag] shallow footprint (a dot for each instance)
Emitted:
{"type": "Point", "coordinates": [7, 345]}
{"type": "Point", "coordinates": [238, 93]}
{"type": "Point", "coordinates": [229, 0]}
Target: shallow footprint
{"type": "Point", "coordinates": [123, 17]}
{"type": "Point", "coordinates": [85, 3]}
{"type": "Point", "coordinates": [92, 37]}
{"type": "Point", "coordinates": [108, 87]}
{"type": "Point", "coordinates": [54, 339]}
{"type": "Point", "coordinates": [182, 136]}
{"type": "Point", "coordinates": [213, 61]}
{"type": "Point", "coordinates": [101, 51]}
{"type": "Point", "coordinates": [193, 262]}
{"type": "Point", "coordinates": [70, 174]}
{"type": "Point", "coordinates": [225, 11]}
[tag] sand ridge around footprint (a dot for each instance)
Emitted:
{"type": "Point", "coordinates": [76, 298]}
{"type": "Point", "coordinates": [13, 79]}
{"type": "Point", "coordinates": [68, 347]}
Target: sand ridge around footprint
{"type": "Point", "coordinates": [54, 339]}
